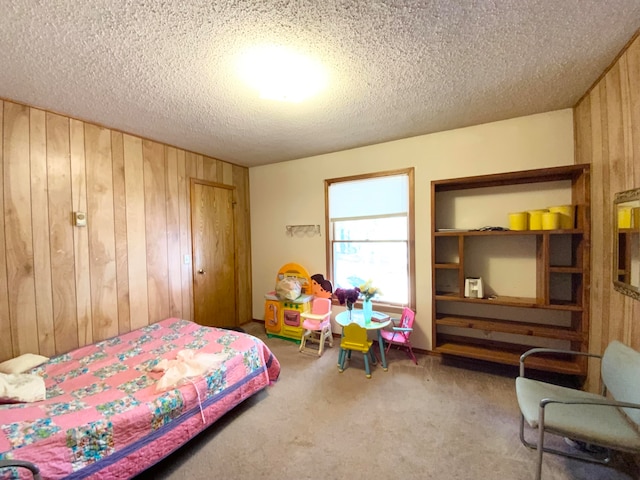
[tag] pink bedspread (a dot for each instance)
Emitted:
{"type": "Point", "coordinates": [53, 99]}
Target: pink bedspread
{"type": "Point", "coordinates": [103, 417]}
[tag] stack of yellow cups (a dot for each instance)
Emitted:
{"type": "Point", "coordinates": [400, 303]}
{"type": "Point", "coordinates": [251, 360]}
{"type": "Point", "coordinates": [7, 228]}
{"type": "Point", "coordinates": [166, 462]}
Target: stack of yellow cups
{"type": "Point", "coordinates": [535, 219]}
{"type": "Point", "coordinates": [550, 221]}
{"type": "Point", "coordinates": [566, 215]}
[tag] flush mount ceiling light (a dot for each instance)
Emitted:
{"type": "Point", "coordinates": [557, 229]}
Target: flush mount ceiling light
{"type": "Point", "coordinates": [279, 73]}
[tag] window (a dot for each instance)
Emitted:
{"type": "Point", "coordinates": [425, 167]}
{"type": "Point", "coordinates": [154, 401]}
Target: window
{"type": "Point", "coordinates": [370, 234]}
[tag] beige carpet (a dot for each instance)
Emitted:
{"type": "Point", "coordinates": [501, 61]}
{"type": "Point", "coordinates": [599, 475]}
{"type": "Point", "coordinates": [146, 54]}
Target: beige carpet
{"type": "Point", "coordinates": [436, 420]}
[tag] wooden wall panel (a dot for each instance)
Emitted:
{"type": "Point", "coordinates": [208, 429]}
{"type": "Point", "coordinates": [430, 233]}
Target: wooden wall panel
{"type": "Point", "coordinates": [191, 171]}
{"type": "Point", "coordinates": [156, 229]}
{"type": "Point", "coordinates": [6, 345]}
{"type": "Point", "coordinates": [227, 174]}
{"type": "Point", "coordinates": [60, 220]}
{"type": "Point", "coordinates": [120, 225]}
{"type": "Point", "coordinates": [209, 169]}
{"type": "Point", "coordinates": [243, 256]}
{"type": "Point", "coordinates": [136, 237]}
{"type": "Point", "coordinates": [173, 233]}
{"type": "Point", "coordinates": [63, 286]}
{"type": "Point", "coordinates": [198, 161]}
{"type": "Point", "coordinates": [100, 220]}
{"type": "Point", "coordinates": [84, 317]}
{"type": "Point", "coordinates": [18, 231]}
{"type": "Point", "coordinates": [607, 132]}
{"type": "Point", "coordinates": [185, 237]}
{"type": "Point", "coordinates": [40, 225]}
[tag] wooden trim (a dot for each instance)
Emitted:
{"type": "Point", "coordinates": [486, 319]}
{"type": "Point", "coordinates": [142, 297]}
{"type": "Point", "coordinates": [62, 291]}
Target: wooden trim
{"type": "Point", "coordinates": [565, 172]}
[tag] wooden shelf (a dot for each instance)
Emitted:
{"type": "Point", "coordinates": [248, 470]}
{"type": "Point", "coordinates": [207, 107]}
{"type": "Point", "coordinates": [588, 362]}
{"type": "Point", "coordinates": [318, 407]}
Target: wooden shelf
{"type": "Point", "coordinates": [576, 270]}
{"type": "Point", "coordinates": [540, 175]}
{"type": "Point", "coordinates": [510, 355]}
{"type": "Point", "coordinates": [508, 302]}
{"type": "Point", "coordinates": [561, 289]}
{"type": "Point", "coordinates": [452, 266]}
{"type": "Point", "coordinates": [508, 233]}
{"type": "Point", "coordinates": [513, 327]}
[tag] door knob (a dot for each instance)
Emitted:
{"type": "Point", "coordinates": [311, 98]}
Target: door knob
{"type": "Point", "coordinates": [201, 272]}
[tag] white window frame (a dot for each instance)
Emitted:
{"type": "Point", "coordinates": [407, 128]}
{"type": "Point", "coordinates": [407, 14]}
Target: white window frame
{"type": "Point", "coordinates": [329, 230]}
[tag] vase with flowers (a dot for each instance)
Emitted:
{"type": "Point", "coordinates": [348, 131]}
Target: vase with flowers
{"type": "Point", "coordinates": [368, 291]}
{"type": "Point", "coordinates": [347, 296]}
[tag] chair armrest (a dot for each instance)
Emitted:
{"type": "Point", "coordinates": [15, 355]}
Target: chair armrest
{"type": "Point", "coordinates": [401, 329]}
{"type": "Point", "coordinates": [605, 402]}
{"type": "Point", "coordinates": [536, 351]}
{"type": "Point", "coordinates": [314, 316]}
{"type": "Point", "coordinates": [35, 471]}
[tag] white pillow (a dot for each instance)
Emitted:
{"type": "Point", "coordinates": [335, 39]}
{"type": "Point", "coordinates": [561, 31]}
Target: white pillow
{"type": "Point", "coordinates": [22, 363]}
{"type": "Point", "coordinates": [21, 388]}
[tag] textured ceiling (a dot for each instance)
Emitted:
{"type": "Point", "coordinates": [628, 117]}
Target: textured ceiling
{"type": "Point", "coordinates": [165, 69]}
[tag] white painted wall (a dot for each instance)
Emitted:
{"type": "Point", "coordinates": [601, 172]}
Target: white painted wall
{"type": "Point", "coordinates": [293, 192]}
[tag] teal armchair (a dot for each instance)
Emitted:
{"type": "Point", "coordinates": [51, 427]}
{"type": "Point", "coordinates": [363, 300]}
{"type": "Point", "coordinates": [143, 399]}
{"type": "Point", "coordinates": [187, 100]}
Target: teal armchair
{"type": "Point", "coordinates": [610, 420]}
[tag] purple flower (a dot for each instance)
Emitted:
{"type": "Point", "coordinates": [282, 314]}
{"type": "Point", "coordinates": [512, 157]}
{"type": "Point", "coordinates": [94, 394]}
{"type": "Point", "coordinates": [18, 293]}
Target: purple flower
{"type": "Point", "coordinates": [347, 295]}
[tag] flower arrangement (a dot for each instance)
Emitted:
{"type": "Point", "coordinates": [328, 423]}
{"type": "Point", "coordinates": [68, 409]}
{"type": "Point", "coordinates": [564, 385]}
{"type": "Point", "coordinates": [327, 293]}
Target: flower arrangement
{"type": "Point", "coordinates": [348, 296]}
{"type": "Point", "coordinates": [368, 291]}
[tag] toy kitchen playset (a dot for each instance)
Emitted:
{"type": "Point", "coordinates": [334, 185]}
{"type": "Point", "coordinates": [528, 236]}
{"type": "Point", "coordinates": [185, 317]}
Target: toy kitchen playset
{"type": "Point", "coordinates": [281, 312]}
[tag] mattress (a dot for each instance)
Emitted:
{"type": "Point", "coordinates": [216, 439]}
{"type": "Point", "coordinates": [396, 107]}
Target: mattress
{"type": "Point", "coordinates": [104, 417]}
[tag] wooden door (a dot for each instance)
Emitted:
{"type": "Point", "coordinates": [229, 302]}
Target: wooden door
{"type": "Point", "coordinates": [213, 243]}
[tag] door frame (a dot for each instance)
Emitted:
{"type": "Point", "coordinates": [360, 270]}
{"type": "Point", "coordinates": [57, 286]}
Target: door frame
{"type": "Point", "coordinates": [192, 182]}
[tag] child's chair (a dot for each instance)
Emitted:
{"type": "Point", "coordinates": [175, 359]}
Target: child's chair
{"type": "Point", "coordinates": [400, 333]}
{"type": "Point", "coordinates": [354, 337]}
{"type": "Point", "coordinates": [317, 324]}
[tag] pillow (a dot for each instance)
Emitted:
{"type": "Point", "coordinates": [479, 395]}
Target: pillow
{"type": "Point", "coordinates": [22, 363]}
{"type": "Point", "coordinates": [21, 388]}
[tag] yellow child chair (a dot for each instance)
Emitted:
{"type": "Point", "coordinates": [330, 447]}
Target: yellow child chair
{"type": "Point", "coordinates": [355, 338]}
{"type": "Point", "coordinates": [317, 324]}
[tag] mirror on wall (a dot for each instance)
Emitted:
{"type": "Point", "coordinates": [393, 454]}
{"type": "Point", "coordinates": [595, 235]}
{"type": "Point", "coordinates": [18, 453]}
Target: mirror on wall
{"type": "Point", "coordinates": [626, 260]}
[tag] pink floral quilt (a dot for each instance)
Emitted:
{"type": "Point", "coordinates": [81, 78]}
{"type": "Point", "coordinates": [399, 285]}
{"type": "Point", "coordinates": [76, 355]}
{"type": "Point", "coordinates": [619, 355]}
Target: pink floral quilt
{"type": "Point", "coordinates": [103, 416]}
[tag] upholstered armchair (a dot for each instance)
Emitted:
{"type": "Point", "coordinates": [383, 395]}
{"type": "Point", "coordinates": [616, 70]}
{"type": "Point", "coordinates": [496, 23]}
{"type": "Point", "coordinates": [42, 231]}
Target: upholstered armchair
{"type": "Point", "coordinates": [610, 420]}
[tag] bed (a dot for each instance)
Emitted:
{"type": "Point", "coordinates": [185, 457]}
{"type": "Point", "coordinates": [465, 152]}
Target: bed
{"type": "Point", "coordinates": [103, 415]}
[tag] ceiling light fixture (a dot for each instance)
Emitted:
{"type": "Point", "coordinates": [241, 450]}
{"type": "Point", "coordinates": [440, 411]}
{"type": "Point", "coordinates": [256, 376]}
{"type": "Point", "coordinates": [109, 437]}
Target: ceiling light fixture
{"type": "Point", "coordinates": [281, 74]}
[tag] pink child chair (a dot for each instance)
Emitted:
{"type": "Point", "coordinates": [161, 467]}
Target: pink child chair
{"type": "Point", "coordinates": [400, 333]}
{"type": "Point", "coordinates": [317, 324]}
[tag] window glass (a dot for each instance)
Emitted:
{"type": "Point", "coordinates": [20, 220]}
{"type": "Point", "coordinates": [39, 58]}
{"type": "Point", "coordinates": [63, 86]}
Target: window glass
{"type": "Point", "coordinates": [369, 235]}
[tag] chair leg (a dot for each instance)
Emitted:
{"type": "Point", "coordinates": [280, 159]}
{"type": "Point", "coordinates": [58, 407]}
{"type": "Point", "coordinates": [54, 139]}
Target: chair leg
{"type": "Point", "coordinates": [366, 364]}
{"type": "Point", "coordinates": [323, 339]}
{"type": "Point", "coordinates": [534, 446]}
{"type": "Point", "coordinates": [540, 442]}
{"type": "Point", "coordinates": [343, 354]}
{"type": "Point", "coordinates": [303, 340]}
{"type": "Point", "coordinates": [413, 357]}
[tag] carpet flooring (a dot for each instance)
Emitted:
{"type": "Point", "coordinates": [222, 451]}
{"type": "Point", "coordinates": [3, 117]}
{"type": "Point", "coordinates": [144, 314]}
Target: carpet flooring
{"type": "Point", "coordinates": [440, 419]}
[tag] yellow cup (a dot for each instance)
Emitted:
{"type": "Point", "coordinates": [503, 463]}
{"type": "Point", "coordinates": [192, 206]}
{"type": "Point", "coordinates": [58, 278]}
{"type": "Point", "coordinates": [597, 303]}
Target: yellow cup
{"type": "Point", "coordinates": [624, 217]}
{"type": "Point", "coordinates": [550, 221]}
{"type": "Point", "coordinates": [518, 221]}
{"type": "Point", "coordinates": [535, 219]}
{"type": "Point", "coordinates": [567, 215]}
